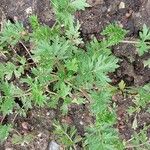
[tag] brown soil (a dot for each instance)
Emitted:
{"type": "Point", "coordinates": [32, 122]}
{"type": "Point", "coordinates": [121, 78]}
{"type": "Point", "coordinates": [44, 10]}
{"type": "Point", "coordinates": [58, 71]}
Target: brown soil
{"type": "Point", "coordinates": [93, 20]}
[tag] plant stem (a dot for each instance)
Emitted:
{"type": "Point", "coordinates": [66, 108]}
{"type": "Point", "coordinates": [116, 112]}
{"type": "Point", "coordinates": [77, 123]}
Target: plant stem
{"type": "Point", "coordinates": [134, 146]}
{"type": "Point", "coordinates": [16, 131]}
{"type": "Point", "coordinates": [133, 42]}
{"type": "Point", "coordinates": [66, 135]}
{"type": "Point", "coordinates": [69, 139]}
{"type": "Point", "coordinates": [3, 119]}
{"type": "Point", "coordinates": [83, 91]}
{"type": "Point", "coordinates": [27, 51]}
{"type": "Point", "coordinates": [86, 95]}
{"type": "Point", "coordinates": [130, 42]}
{"type": "Point", "coordinates": [50, 92]}
{"type": "Point", "coordinates": [14, 117]}
{"type": "Point", "coordinates": [3, 55]}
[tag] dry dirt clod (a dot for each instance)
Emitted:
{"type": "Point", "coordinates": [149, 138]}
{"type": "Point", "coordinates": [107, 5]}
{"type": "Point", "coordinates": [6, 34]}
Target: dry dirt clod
{"type": "Point", "coordinates": [25, 125]}
{"type": "Point", "coordinates": [8, 149]}
{"type": "Point", "coordinates": [95, 2]}
{"type": "Point", "coordinates": [2, 19]}
{"type": "Point", "coordinates": [129, 14]}
{"type": "Point", "coordinates": [148, 7]}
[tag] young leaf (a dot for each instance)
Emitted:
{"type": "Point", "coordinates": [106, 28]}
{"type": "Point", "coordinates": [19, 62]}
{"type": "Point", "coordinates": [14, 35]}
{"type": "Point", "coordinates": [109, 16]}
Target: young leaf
{"type": "Point", "coordinates": [147, 63]}
{"type": "Point", "coordinates": [135, 123]}
{"type": "Point", "coordinates": [122, 85]}
{"type": "Point", "coordinates": [22, 139]}
{"type": "Point", "coordinates": [4, 132]}
{"type": "Point", "coordinates": [114, 34]}
{"type": "Point", "coordinates": [7, 105]}
{"type": "Point", "coordinates": [143, 47]}
{"type": "Point", "coordinates": [12, 33]}
{"type": "Point", "coordinates": [103, 137]}
{"type": "Point", "coordinates": [66, 135]}
{"type": "Point", "coordinates": [143, 97]}
{"type": "Point", "coordinates": [79, 4]}
{"type": "Point", "coordinates": [72, 65]}
{"type": "Point", "coordinates": [38, 97]}
{"type": "Point", "coordinates": [64, 90]}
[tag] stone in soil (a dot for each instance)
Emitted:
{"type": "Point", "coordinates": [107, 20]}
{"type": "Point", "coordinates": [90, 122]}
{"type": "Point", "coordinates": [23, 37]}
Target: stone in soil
{"type": "Point", "coordinates": [53, 146]}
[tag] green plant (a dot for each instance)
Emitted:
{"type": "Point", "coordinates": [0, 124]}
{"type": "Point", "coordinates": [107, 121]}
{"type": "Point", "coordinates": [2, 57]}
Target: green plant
{"type": "Point", "coordinates": [64, 10]}
{"type": "Point", "coordinates": [52, 50]}
{"type": "Point", "coordinates": [4, 132]}
{"type": "Point", "coordinates": [147, 63]}
{"type": "Point", "coordinates": [143, 45]}
{"type": "Point", "coordinates": [67, 136]}
{"type": "Point", "coordinates": [143, 96]}
{"type": "Point", "coordinates": [11, 34]}
{"type": "Point", "coordinates": [56, 70]}
{"type": "Point", "coordinates": [139, 141]}
{"type": "Point", "coordinates": [22, 139]}
{"type": "Point", "coordinates": [103, 138]}
{"type": "Point", "coordinates": [140, 99]}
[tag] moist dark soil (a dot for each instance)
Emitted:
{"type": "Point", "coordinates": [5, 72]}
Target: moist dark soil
{"type": "Point", "coordinates": [131, 16]}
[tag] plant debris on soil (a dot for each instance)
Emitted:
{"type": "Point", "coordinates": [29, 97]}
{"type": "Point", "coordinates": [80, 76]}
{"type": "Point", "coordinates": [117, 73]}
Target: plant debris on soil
{"type": "Point", "coordinates": [129, 14]}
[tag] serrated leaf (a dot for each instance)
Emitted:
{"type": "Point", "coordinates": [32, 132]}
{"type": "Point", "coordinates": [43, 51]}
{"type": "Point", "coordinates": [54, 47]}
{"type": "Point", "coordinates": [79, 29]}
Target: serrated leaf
{"type": "Point", "coordinates": [22, 139]}
{"type": "Point", "coordinates": [38, 97]}
{"type": "Point", "coordinates": [145, 34]}
{"type": "Point", "coordinates": [73, 33]}
{"type": "Point", "coordinates": [64, 90]}
{"type": "Point", "coordinates": [114, 34]}
{"type": "Point", "coordinates": [72, 65]}
{"type": "Point", "coordinates": [143, 97]}
{"type": "Point", "coordinates": [79, 4]}
{"type": "Point", "coordinates": [66, 103]}
{"type": "Point", "coordinates": [4, 132]}
{"type": "Point", "coordinates": [147, 63]}
{"type": "Point", "coordinates": [34, 22]}
{"type": "Point", "coordinates": [78, 101]}
{"type": "Point", "coordinates": [122, 85]}
{"type": "Point", "coordinates": [143, 46]}
{"type": "Point", "coordinates": [65, 9]}
{"type": "Point", "coordinates": [135, 123]}
{"type": "Point", "coordinates": [103, 137]}
{"type": "Point", "coordinates": [66, 135]}
{"type": "Point", "coordinates": [12, 33]}
{"type": "Point", "coordinates": [7, 105]}
{"type": "Point", "coordinates": [104, 65]}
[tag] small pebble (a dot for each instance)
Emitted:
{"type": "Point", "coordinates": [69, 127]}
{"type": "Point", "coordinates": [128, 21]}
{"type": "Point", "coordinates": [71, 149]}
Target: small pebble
{"type": "Point", "coordinates": [81, 122]}
{"type": "Point", "coordinates": [48, 113]}
{"type": "Point", "coordinates": [29, 10]}
{"type": "Point", "coordinates": [53, 146]}
{"type": "Point", "coordinates": [104, 9]}
{"type": "Point", "coordinates": [128, 15]}
{"type": "Point", "coordinates": [121, 5]}
{"type": "Point", "coordinates": [39, 135]}
{"type": "Point", "coordinates": [25, 125]}
{"type": "Point", "coordinates": [8, 149]}
{"type": "Point", "coordinates": [120, 24]}
{"type": "Point", "coordinates": [15, 18]}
